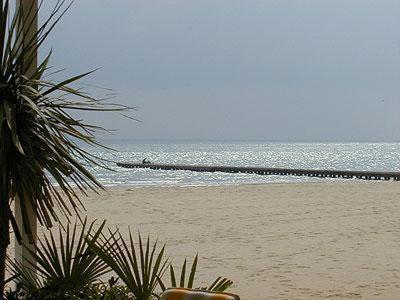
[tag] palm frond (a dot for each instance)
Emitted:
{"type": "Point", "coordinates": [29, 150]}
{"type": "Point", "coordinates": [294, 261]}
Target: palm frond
{"type": "Point", "coordinates": [67, 266]}
{"type": "Point", "coordinates": [139, 267]}
{"type": "Point", "coordinates": [26, 278]}
{"type": "Point", "coordinates": [183, 274]}
{"type": "Point", "coordinates": [41, 153]}
{"type": "Point", "coordinates": [219, 285]}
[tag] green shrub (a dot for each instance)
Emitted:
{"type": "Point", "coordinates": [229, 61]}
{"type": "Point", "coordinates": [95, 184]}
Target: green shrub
{"type": "Point", "coordinates": [71, 269]}
{"type": "Point", "coordinates": [139, 267]}
{"type": "Point", "coordinates": [65, 268]}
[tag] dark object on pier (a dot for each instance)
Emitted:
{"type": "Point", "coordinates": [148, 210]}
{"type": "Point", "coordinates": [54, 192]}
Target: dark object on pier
{"type": "Point", "coordinates": [145, 161]}
{"type": "Point", "coordinates": [369, 175]}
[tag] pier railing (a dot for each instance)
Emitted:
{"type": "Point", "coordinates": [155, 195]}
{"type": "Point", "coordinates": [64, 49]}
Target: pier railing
{"type": "Point", "coordinates": [368, 175]}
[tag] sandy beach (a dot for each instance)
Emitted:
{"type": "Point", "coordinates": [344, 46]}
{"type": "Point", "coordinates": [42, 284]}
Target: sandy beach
{"type": "Point", "coordinates": [337, 240]}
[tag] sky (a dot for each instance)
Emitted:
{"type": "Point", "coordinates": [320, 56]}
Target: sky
{"type": "Point", "coordinates": [279, 70]}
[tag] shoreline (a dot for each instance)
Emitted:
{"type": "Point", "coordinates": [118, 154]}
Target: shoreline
{"type": "Point", "coordinates": [321, 181]}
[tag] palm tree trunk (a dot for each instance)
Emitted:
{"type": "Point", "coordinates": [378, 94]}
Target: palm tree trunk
{"type": "Point", "coordinates": [4, 239]}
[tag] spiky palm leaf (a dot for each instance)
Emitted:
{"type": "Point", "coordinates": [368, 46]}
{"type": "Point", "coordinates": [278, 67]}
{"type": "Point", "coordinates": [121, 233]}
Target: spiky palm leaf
{"type": "Point", "coordinates": [182, 275]}
{"type": "Point", "coordinates": [139, 268]}
{"type": "Point", "coordinates": [42, 161]}
{"type": "Point", "coordinates": [66, 267]}
{"type": "Point", "coordinates": [25, 278]}
{"type": "Point", "coordinates": [219, 285]}
{"type": "Point", "coordinates": [38, 134]}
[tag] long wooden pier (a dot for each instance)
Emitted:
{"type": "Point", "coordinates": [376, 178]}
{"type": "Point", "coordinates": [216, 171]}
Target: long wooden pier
{"type": "Point", "coordinates": [368, 175]}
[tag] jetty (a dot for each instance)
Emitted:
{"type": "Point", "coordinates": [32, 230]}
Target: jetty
{"type": "Point", "coordinates": [366, 175]}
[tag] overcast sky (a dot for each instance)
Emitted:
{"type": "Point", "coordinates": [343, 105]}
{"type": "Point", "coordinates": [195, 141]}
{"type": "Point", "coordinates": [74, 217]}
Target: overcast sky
{"type": "Point", "coordinates": [255, 70]}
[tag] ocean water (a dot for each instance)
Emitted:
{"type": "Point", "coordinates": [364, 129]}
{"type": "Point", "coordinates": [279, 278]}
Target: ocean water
{"type": "Point", "coordinates": [341, 156]}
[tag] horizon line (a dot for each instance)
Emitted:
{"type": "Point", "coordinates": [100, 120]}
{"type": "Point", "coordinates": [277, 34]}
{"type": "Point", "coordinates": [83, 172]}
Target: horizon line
{"type": "Point", "coordinates": [243, 140]}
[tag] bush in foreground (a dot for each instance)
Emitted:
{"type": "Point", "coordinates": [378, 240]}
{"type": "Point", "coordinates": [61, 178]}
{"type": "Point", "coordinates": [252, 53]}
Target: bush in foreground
{"type": "Point", "coordinates": [72, 267]}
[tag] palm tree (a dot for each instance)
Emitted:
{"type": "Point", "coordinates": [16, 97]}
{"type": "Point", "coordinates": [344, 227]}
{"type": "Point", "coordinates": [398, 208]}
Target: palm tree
{"type": "Point", "coordinates": [42, 161]}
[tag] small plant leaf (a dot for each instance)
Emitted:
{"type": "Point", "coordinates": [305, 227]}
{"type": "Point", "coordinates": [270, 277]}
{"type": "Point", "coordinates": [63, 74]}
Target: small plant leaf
{"type": "Point", "coordinates": [183, 271]}
{"type": "Point", "coordinates": [172, 273]}
{"type": "Point", "coordinates": [192, 272]}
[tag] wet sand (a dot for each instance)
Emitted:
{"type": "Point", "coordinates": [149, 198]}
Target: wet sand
{"type": "Point", "coordinates": [333, 240]}
{"type": "Point", "coordinates": [337, 240]}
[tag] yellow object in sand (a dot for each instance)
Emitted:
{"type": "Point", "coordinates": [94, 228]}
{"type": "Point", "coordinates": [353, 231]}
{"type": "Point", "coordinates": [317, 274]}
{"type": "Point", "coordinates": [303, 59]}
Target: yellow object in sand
{"type": "Point", "coordinates": [189, 294]}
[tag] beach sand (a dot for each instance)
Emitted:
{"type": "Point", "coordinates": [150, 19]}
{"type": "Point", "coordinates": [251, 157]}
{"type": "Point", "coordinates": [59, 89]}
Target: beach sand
{"type": "Point", "coordinates": [337, 240]}
{"type": "Point", "coordinates": [334, 240]}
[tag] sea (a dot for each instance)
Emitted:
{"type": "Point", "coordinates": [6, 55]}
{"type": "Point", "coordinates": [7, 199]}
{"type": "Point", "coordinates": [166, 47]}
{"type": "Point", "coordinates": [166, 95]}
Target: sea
{"type": "Point", "coordinates": [339, 156]}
